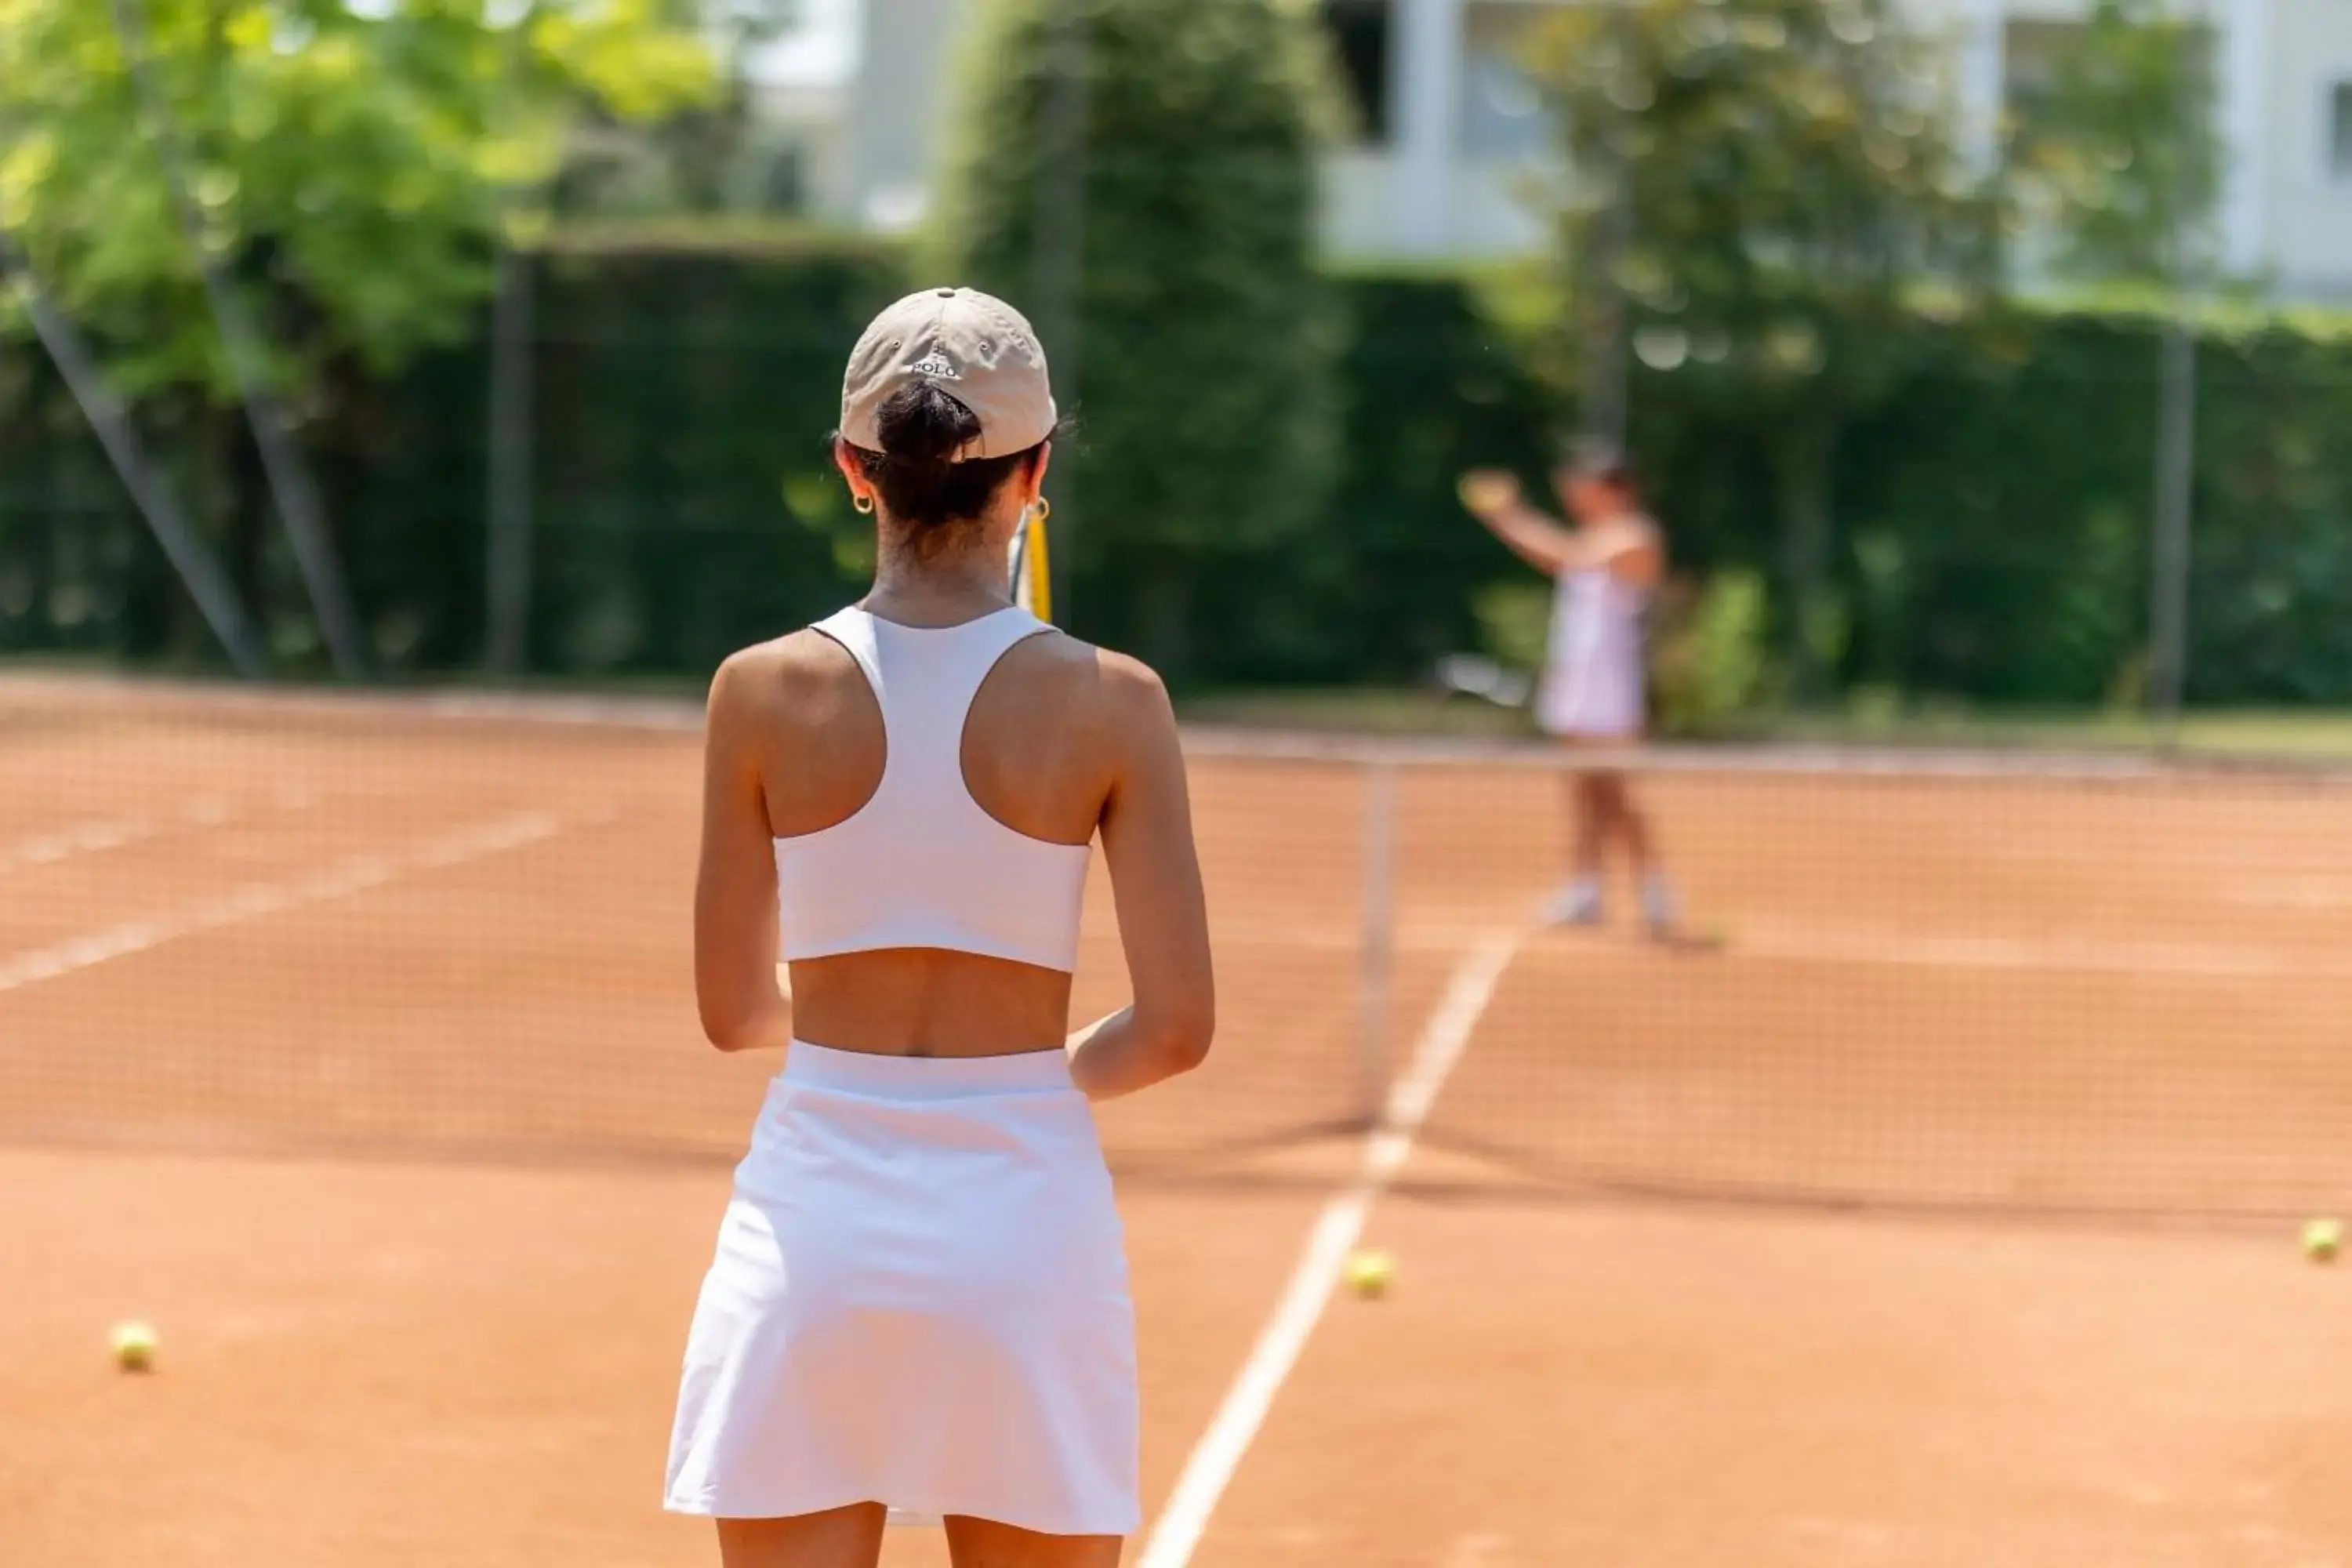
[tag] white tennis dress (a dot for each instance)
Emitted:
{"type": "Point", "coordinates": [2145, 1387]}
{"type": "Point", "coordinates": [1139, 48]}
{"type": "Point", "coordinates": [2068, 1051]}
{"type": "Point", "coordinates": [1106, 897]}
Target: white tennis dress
{"type": "Point", "coordinates": [920, 1297]}
{"type": "Point", "coordinates": [1592, 666]}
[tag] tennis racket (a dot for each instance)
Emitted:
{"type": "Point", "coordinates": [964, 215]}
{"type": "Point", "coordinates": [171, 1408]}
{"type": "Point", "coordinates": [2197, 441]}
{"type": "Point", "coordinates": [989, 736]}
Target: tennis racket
{"type": "Point", "coordinates": [1472, 676]}
{"type": "Point", "coordinates": [1031, 579]}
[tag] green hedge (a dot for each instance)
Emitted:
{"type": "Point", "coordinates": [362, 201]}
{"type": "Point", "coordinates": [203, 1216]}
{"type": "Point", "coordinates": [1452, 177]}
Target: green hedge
{"type": "Point", "coordinates": [685, 491]}
{"type": "Point", "coordinates": [1386, 585]}
{"type": "Point", "coordinates": [1998, 521]}
{"type": "Point", "coordinates": [1992, 514]}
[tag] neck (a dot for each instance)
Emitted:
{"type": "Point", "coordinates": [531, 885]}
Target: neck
{"type": "Point", "coordinates": [956, 585]}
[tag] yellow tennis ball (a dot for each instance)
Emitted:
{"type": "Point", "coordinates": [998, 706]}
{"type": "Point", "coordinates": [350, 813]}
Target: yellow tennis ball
{"type": "Point", "coordinates": [1371, 1271]}
{"type": "Point", "coordinates": [134, 1346]}
{"type": "Point", "coordinates": [1482, 492]}
{"type": "Point", "coordinates": [2323, 1240]}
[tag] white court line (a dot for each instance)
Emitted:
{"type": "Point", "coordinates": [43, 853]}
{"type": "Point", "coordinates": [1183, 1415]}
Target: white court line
{"type": "Point", "coordinates": [1211, 1468]}
{"type": "Point", "coordinates": [90, 836]}
{"type": "Point", "coordinates": [258, 899]}
{"type": "Point", "coordinates": [80, 839]}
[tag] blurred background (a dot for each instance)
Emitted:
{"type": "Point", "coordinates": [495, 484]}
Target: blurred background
{"type": "Point", "coordinates": [1981, 357]}
{"type": "Point", "coordinates": [405, 404]}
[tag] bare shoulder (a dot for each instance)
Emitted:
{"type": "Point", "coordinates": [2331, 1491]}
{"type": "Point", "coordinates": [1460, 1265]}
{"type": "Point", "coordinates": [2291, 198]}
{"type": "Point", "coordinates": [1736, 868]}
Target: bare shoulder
{"type": "Point", "coordinates": [1111, 695]}
{"type": "Point", "coordinates": [802, 675]}
{"type": "Point", "coordinates": [1134, 693]}
{"type": "Point", "coordinates": [1634, 532]}
{"type": "Point", "coordinates": [1138, 718]}
{"type": "Point", "coordinates": [1121, 689]}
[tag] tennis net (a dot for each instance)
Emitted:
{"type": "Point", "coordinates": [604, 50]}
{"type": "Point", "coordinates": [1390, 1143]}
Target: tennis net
{"type": "Point", "coordinates": [458, 925]}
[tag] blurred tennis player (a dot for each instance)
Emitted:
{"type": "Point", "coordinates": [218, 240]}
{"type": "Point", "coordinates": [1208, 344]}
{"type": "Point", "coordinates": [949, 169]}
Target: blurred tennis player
{"type": "Point", "coordinates": [1605, 567]}
{"type": "Point", "coordinates": [920, 1298]}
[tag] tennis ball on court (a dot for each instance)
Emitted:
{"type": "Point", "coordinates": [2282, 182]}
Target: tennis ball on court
{"type": "Point", "coordinates": [1369, 1271]}
{"type": "Point", "coordinates": [134, 1346]}
{"type": "Point", "coordinates": [2323, 1240]}
{"type": "Point", "coordinates": [1705, 933]}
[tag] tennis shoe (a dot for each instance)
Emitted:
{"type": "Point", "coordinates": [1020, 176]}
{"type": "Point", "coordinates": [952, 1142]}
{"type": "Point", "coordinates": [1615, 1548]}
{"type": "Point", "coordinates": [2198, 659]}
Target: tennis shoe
{"type": "Point", "coordinates": [1576, 904]}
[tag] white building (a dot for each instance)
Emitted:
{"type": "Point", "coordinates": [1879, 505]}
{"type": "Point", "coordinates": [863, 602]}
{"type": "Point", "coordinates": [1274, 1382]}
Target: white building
{"type": "Point", "coordinates": [806, 84]}
{"type": "Point", "coordinates": [2283, 80]}
{"type": "Point", "coordinates": [1452, 139]}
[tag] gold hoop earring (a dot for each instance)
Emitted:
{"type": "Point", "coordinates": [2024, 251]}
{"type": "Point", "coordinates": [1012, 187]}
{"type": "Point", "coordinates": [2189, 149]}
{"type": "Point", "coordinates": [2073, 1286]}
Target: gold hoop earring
{"type": "Point", "coordinates": [1040, 509]}
{"type": "Point", "coordinates": [863, 503]}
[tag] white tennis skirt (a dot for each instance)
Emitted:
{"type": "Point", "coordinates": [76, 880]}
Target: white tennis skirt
{"type": "Point", "coordinates": [1593, 701]}
{"type": "Point", "coordinates": [920, 1298]}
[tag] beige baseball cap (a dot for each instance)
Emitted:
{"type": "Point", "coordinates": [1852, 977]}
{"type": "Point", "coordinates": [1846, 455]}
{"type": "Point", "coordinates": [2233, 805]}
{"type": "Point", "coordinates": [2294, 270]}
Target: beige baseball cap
{"type": "Point", "coordinates": [975, 348]}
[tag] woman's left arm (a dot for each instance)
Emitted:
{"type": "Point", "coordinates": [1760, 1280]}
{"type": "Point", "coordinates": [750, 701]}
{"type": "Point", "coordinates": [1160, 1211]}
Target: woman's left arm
{"type": "Point", "coordinates": [735, 937]}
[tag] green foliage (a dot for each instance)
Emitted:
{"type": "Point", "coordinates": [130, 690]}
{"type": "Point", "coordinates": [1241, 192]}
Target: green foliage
{"type": "Point", "coordinates": [1202, 336]}
{"type": "Point", "coordinates": [714, 156]}
{"type": "Point", "coordinates": [684, 502]}
{"type": "Point", "coordinates": [1767, 185]}
{"type": "Point", "coordinates": [1712, 667]}
{"type": "Point", "coordinates": [1787, 178]}
{"type": "Point", "coordinates": [1997, 512]}
{"type": "Point", "coordinates": [1994, 511]}
{"type": "Point", "coordinates": [1384, 580]}
{"type": "Point", "coordinates": [2009, 515]}
{"type": "Point", "coordinates": [2271, 571]}
{"type": "Point", "coordinates": [2118, 145]}
{"type": "Point", "coordinates": [1514, 622]}
{"type": "Point", "coordinates": [350, 164]}
{"type": "Point", "coordinates": [687, 502]}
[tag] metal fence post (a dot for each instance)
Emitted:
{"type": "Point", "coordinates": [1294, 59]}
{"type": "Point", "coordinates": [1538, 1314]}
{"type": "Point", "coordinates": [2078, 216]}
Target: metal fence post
{"type": "Point", "coordinates": [506, 630]}
{"type": "Point", "coordinates": [2176, 479]}
{"type": "Point", "coordinates": [2188, 269]}
{"type": "Point", "coordinates": [283, 465]}
{"type": "Point", "coordinates": [1377, 948]}
{"type": "Point", "coordinates": [215, 596]}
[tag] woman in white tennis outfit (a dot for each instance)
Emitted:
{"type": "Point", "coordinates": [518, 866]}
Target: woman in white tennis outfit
{"type": "Point", "coordinates": [919, 1298]}
{"type": "Point", "coordinates": [1604, 569]}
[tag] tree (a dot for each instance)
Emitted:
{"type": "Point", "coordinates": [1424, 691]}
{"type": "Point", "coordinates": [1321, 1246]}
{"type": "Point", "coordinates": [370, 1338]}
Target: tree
{"type": "Point", "coordinates": [716, 156]}
{"type": "Point", "coordinates": [236, 195]}
{"type": "Point", "coordinates": [2116, 141]}
{"type": "Point", "coordinates": [1772, 189]}
{"type": "Point", "coordinates": [1174, 144]}
{"type": "Point", "coordinates": [348, 158]}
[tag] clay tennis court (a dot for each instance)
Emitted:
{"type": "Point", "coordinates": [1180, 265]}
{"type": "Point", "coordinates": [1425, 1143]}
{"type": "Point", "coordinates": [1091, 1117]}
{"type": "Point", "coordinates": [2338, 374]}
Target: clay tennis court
{"type": "Point", "coordinates": [1935, 1209]}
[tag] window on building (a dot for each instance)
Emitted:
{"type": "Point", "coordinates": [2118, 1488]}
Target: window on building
{"type": "Point", "coordinates": [1361, 33]}
{"type": "Point", "coordinates": [2339, 130]}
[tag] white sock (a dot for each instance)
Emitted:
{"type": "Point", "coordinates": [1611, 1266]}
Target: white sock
{"type": "Point", "coordinates": [1659, 905]}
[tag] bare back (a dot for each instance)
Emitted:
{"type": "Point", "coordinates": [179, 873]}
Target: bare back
{"type": "Point", "coordinates": [1062, 741]}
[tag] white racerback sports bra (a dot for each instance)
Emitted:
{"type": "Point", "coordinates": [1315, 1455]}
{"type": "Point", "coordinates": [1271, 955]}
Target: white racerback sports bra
{"type": "Point", "coordinates": [921, 864]}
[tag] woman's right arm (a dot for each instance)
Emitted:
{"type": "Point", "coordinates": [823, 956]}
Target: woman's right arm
{"type": "Point", "coordinates": [1155, 877]}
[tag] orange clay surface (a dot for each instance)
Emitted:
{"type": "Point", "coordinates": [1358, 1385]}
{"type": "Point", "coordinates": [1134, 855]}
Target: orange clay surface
{"type": "Point", "coordinates": [379, 1365]}
{"type": "Point", "coordinates": [356, 1052]}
